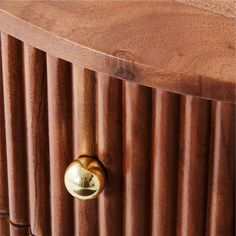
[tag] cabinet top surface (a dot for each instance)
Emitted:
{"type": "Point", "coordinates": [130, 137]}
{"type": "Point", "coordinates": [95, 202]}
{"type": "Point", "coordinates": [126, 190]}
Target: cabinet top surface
{"type": "Point", "coordinates": [171, 45]}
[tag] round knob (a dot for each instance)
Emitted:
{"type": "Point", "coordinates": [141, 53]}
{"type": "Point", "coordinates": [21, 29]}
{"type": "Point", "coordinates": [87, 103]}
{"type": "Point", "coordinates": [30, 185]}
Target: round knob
{"type": "Point", "coordinates": [85, 178]}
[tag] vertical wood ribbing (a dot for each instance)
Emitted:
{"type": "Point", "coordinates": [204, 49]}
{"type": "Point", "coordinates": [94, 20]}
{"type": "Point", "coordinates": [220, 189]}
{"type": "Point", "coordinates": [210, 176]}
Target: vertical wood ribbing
{"type": "Point", "coordinates": [37, 140]}
{"type": "Point", "coordinates": [221, 205]}
{"type": "Point", "coordinates": [60, 140]}
{"type": "Point", "coordinates": [4, 225]}
{"type": "Point", "coordinates": [15, 128]}
{"type": "Point", "coordinates": [193, 166]}
{"type": "Point", "coordinates": [84, 127]}
{"type": "Point", "coordinates": [16, 230]}
{"type": "Point", "coordinates": [164, 162]}
{"type": "Point", "coordinates": [109, 125]}
{"type": "Point", "coordinates": [3, 156]}
{"type": "Point", "coordinates": [137, 165]}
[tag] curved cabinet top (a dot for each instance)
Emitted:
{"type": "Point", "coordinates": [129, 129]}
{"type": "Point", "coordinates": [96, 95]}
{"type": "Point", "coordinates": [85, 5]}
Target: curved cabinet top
{"type": "Point", "coordinates": [168, 45]}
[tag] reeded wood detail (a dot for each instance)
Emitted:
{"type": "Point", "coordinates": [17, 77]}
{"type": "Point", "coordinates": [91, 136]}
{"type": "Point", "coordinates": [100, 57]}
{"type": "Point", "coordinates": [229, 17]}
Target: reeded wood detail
{"type": "Point", "coordinates": [13, 85]}
{"type": "Point", "coordinates": [221, 193]}
{"type": "Point", "coordinates": [169, 157]}
{"type": "Point", "coordinates": [137, 159]}
{"type": "Point", "coordinates": [37, 139]}
{"type": "Point", "coordinates": [3, 156]}
{"type": "Point", "coordinates": [60, 141]}
{"type": "Point", "coordinates": [16, 230]}
{"type": "Point", "coordinates": [193, 166]}
{"type": "Point", "coordinates": [110, 140]}
{"type": "Point", "coordinates": [84, 133]}
{"type": "Point", "coordinates": [165, 146]}
{"type": "Point", "coordinates": [182, 46]}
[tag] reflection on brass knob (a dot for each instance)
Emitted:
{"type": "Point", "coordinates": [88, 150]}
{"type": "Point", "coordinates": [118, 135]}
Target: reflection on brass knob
{"type": "Point", "coordinates": [85, 178]}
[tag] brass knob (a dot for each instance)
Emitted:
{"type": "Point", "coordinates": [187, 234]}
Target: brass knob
{"type": "Point", "coordinates": [85, 178]}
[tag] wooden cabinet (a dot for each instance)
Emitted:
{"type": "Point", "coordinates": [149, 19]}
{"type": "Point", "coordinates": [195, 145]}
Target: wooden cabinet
{"type": "Point", "coordinates": [146, 87]}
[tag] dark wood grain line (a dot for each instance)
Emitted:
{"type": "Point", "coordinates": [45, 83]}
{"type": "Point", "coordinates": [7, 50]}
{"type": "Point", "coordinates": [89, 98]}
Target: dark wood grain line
{"type": "Point", "coordinates": [60, 140]}
{"type": "Point", "coordinates": [37, 139]}
{"type": "Point", "coordinates": [221, 205]}
{"type": "Point", "coordinates": [193, 166]}
{"type": "Point", "coordinates": [137, 159]}
{"type": "Point", "coordinates": [110, 140]}
{"type": "Point", "coordinates": [3, 155]}
{"type": "Point", "coordinates": [165, 147]}
{"type": "Point", "coordinates": [15, 128]}
{"type": "Point", "coordinates": [84, 133]}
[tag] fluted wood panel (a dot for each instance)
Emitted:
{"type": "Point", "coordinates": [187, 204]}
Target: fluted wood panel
{"type": "Point", "coordinates": [37, 139]}
{"type": "Point", "coordinates": [110, 135]}
{"type": "Point", "coordinates": [84, 132]}
{"type": "Point", "coordinates": [137, 156]}
{"type": "Point", "coordinates": [165, 146]}
{"type": "Point", "coordinates": [13, 85]}
{"type": "Point", "coordinates": [169, 158]}
{"type": "Point", "coordinates": [193, 166]}
{"type": "Point", "coordinates": [3, 156]}
{"type": "Point", "coordinates": [60, 141]}
{"type": "Point", "coordinates": [221, 207]}
{"type": "Point", "coordinates": [16, 230]}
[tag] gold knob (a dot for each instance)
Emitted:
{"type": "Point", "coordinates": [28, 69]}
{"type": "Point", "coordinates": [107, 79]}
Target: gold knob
{"type": "Point", "coordinates": [85, 178]}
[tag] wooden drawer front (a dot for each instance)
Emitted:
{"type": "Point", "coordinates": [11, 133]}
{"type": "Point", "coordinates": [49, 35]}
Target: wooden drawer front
{"type": "Point", "coordinates": [170, 158]}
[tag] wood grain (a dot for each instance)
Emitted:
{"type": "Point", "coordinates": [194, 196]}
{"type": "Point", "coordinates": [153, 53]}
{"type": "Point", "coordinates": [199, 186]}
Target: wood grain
{"type": "Point", "coordinates": [221, 205]}
{"type": "Point", "coordinates": [166, 112]}
{"type": "Point", "coordinates": [193, 166]}
{"type": "Point", "coordinates": [3, 156]}
{"type": "Point", "coordinates": [37, 139]}
{"type": "Point", "coordinates": [84, 133]}
{"type": "Point", "coordinates": [186, 51]}
{"type": "Point", "coordinates": [15, 128]}
{"type": "Point", "coordinates": [170, 165]}
{"type": "Point", "coordinates": [60, 141]}
{"type": "Point", "coordinates": [110, 141]}
{"type": "Point", "coordinates": [137, 156]}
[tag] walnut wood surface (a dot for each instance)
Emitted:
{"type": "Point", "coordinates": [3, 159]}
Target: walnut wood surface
{"type": "Point", "coordinates": [15, 128]}
{"type": "Point", "coordinates": [4, 225]}
{"type": "Point", "coordinates": [19, 230]}
{"type": "Point", "coordinates": [60, 141]}
{"type": "Point", "coordinates": [193, 166]}
{"type": "Point", "coordinates": [137, 156]}
{"type": "Point", "coordinates": [110, 152]}
{"type": "Point", "coordinates": [84, 133]}
{"type": "Point", "coordinates": [221, 207]}
{"type": "Point", "coordinates": [170, 158]}
{"type": "Point", "coordinates": [3, 156]}
{"type": "Point", "coordinates": [37, 139]}
{"type": "Point", "coordinates": [165, 133]}
{"type": "Point", "coordinates": [222, 7]}
{"type": "Point", "coordinates": [168, 45]}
